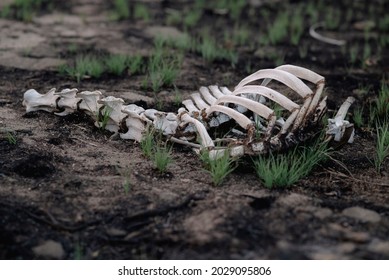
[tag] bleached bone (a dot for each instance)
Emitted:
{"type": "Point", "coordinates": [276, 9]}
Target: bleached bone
{"type": "Point", "coordinates": [67, 101]}
{"type": "Point", "coordinates": [282, 76]}
{"type": "Point", "coordinates": [317, 36]}
{"type": "Point", "coordinates": [254, 128]}
{"type": "Point", "coordinates": [34, 101]}
{"type": "Point", "coordinates": [89, 103]}
{"type": "Point", "coordinates": [338, 126]}
{"type": "Point", "coordinates": [112, 109]}
{"type": "Point", "coordinates": [135, 122]}
{"type": "Point", "coordinates": [199, 102]}
{"type": "Point", "coordinates": [206, 140]}
{"type": "Point", "coordinates": [166, 123]}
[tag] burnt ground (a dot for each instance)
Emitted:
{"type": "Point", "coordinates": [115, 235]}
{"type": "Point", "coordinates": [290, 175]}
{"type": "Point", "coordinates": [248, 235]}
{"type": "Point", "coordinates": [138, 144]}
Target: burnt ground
{"type": "Point", "coordinates": [61, 183]}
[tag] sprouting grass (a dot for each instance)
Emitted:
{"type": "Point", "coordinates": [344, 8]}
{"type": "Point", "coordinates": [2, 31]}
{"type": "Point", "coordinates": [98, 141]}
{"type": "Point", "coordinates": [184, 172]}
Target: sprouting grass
{"type": "Point", "coordinates": [142, 12]}
{"type": "Point", "coordinates": [296, 26]}
{"type": "Point", "coordinates": [358, 117]}
{"type": "Point", "coordinates": [116, 64]}
{"type": "Point", "coordinates": [135, 64]}
{"type": "Point", "coordinates": [303, 50]}
{"type": "Point", "coordinates": [103, 117]}
{"type": "Point", "coordinates": [5, 12]}
{"type": "Point", "coordinates": [163, 68]}
{"type": "Point", "coordinates": [192, 17]}
{"type": "Point", "coordinates": [286, 169]}
{"type": "Point", "coordinates": [382, 102]}
{"type": "Point", "coordinates": [353, 54]}
{"type": "Point", "coordinates": [173, 17]}
{"type": "Point", "coordinates": [332, 18]}
{"type": "Point", "coordinates": [240, 35]}
{"type": "Point", "coordinates": [208, 49]}
{"type": "Point", "coordinates": [121, 9]}
{"type": "Point", "coordinates": [78, 251]}
{"type": "Point", "coordinates": [366, 53]}
{"type": "Point", "coordinates": [162, 157]}
{"type": "Point", "coordinates": [383, 22]}
{"type": "Point", "coordinates": [24, 9]}
{"type": "Point", "coordinates": [177, 97]}
{"type": "Point", "coordinates": [183, 42]}
{"type": "Point", "coordinates": [219, 168]}
{"type": "Point", "coordinates": [125, 172]}
{"type": "Point", "coordinates": [147, 143]}
{"type": "Point", "coordinates": [372, 115]}
{"type": "Point", "coordinates": [382, 144]}
{"type": "Point", "coordinates": [236, 7]}
{"type": "Point", "coordinates": [278, 30]}
{"type": "Point", "coordinates": [84, 66]}
{"type": "Point", "coordinates": [11, 138]}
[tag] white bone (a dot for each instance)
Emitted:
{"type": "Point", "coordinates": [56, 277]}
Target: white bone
{"type": "Point", "coordinates": [206, 140]}
{"type": "Point", "coordinates": [34, 101]}
{"type": "Point", "coordinates": [282, 76]}
{"type": "Point", "coordinates": [199, 102]}
{"type": "Point", "coordinates": [135, 131]}
{"type": "Point", "coordinates": [269, 93]}
{"type": "Point", "coordinates": [241, 119]}
{"type": "Point", "coordinates": [256, 107]}
{"type": "Point", "coordinates": [166, 122]}
{"type": "Point", "coordinates": [216, 91]}
{"type": "Point", "coordinates": [67, 101]}
{"type": "Point", "coordinates": [207, 95]}
{"type": "Point", "coordinates": [89, 102]}
{"type": "Point", "coordinates": [308, 75]}
{"type": "Point", "coordinates": [190, 106]}
{"type": "Point", "coordinates": [150, 113]}
{"type": "Point", "coordinates": [302, 73]}
{"type": "Point", "coordinates": [225, 90]}
{"type": "Point", "coordinates": [113, 107]}
{"type": "Point", "coordinates": [133, 108]}
{"type": "Point", "coordinates": [337, 126]}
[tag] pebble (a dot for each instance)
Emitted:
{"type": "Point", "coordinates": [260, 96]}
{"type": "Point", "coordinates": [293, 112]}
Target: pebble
{"type": "Point", "coordinates": [322, 213]}
{"type": "Point", "coordinates": [115, 232]}
{"type": "Point", "coordinates": [362, 214]}
{"type": "Point", "coordinates": [49, 249]}
{"type": "Point", "coordinates": [379, 247]}
{"type": "Point", "coordinates": [293, 200]}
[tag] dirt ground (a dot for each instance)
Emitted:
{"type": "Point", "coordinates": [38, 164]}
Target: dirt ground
{"type": "Point", "coordinates": [61, 183]}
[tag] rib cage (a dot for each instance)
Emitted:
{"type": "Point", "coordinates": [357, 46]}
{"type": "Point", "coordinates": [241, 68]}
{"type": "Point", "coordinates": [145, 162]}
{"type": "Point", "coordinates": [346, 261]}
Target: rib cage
{"type": "Point", "coordinates": [252, 124]}
{"type": "Point", "coordinates": [246, 105]}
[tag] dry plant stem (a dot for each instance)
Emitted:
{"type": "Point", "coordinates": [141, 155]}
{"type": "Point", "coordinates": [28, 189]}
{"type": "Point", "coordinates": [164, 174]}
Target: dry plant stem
{"type": "Point", "coordinates": [261, 131]}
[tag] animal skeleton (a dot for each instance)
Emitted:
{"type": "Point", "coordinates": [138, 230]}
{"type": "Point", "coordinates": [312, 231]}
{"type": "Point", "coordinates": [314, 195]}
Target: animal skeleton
{"type": "Point", "coordinates": [245, 118]}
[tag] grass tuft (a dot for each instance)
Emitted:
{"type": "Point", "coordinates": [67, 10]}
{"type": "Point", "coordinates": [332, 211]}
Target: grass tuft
{"type": "Point", "coordinates": [219, 168]}
{"type": "Point", "coordinates": [382, 145]}
{"type": "Point", "coordinates": [286, 169]}
{"type": "Point", "coordinates": [162, 157]}
{"type": "Point", "coordinates": [116, 64]}
{"type": "Point", "coordinates": [147, 143]}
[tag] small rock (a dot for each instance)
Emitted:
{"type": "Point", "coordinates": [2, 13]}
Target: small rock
{"type": "Point", "coordinates": [379, 247]}
{"type": "Point", "coordinates": [322, 213]}
{"type": "Point", "coordinates": [115, 232]}
{"type": "Point", "coordinates": [49, 249]}
{"type": "Point", "coordinates": [362, 214]}
{"type": "Point", "coordinates": [358, 237]}
{"type": "Point", "coordinates": [346, 248]}
{"type": "Point", "coordinates": [293, 200]}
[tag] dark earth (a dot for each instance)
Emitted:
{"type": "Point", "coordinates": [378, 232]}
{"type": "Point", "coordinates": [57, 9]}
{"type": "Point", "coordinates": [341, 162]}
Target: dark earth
{"type": "Point", "coordinates": [62, 193]}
